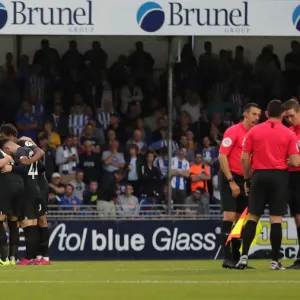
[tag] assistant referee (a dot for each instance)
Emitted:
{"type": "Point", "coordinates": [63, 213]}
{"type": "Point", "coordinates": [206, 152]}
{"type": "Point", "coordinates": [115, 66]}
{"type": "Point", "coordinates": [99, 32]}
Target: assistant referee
{"type": "Point", "coordinates": [271, 145]}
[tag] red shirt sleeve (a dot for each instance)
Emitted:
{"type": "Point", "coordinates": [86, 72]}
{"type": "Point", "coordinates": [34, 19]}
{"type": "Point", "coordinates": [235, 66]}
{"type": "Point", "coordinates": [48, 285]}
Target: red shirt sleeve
{"type": "Point", "coordinates": [248, 142]}
{"type": "Point", "coordinates": [228, 141]}
{"type": "Point", "coordinates": [293, 145]}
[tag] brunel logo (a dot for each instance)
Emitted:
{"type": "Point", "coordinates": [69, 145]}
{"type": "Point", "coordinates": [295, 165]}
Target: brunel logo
{"type": "Point", "coordinates": [3, 16]}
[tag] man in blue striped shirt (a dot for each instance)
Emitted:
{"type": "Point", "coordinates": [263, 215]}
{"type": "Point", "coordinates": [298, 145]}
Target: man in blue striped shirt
{"type": "Point", "coordinates": [77, 120]}
{"type": "Point", "coordinates": [180, 173]}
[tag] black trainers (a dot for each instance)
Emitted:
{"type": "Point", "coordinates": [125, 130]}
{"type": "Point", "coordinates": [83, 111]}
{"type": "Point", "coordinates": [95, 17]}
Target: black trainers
{"type": "Point", "coordinates": [295, 265]}
{"type": "Point", "coordinates": [276, 265]}
{"type": "Point", "coordinates": [228, 264]}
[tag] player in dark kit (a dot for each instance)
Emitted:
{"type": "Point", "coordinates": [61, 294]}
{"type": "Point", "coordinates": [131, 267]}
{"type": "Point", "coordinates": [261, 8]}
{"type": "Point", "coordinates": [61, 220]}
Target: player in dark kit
{"type": "Point", "coordinates": [233, 199]}
{"type": "Point", "coordinates": [267, 149]}
{"type": "Point", "coordinates": [9, 131]}
{"type": "Point", "coordinates": [292, 116]}
{"type": "Point", "coordinates": [28, 207]}
{"type": "Point", "coordinates": [11, 186]}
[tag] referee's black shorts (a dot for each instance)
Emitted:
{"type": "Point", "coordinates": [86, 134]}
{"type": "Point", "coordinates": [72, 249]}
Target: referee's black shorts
{"type": "Point", "coordinates": [294, 193]}
{"type": "Point", "coordinates": [228, 202]}
{"type": "Point", "coordinates": [269, 187]}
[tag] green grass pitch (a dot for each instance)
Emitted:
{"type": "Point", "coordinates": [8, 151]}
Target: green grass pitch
{"type": "Point", "coordinates": [143, 280]}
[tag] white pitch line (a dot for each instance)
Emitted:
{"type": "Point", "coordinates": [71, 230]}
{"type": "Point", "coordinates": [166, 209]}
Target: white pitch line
{"type": "Point", "coordinates": [195, 282]}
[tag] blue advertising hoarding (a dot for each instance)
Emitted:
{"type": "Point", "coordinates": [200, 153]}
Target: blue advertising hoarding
{"type": "Point", "coordinates": [126, 240]}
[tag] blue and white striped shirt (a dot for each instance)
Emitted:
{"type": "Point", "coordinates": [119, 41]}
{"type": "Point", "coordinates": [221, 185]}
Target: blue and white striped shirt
{"type": "Point", "coordinates": [104, 119]}
{"type": "Point", "coordinates": [77, 123]}
{"type": "Point", "coordinates": [178, 182]}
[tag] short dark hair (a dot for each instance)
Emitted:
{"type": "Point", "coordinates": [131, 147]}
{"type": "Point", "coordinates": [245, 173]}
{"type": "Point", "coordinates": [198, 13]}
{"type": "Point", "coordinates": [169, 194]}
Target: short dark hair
{"type": "Point", "coordinates": [183, 147]}
{"type": "Point", "coordinates": [9, 129]}
{"type": "Point", "coordinates": [3, 142]}
{"type": "Point", "coordinates": [135, 147]}
{"type": "Point", "coordinates": [69, 184]}
{"type": "Point", "coordinates": [248, 106]}
{"type": "Point", "coordinates": [275, 109]}
{"type": "Point", "coordinates": [291, 104]}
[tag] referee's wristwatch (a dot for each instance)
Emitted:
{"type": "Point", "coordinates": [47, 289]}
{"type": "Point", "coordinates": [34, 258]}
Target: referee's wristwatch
{"type": "Point", "coordinates": [230, 180]}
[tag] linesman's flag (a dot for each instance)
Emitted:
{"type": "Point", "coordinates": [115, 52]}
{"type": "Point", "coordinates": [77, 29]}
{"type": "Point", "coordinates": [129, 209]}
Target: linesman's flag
{"type": "Point", "coordinates": [236, 232]}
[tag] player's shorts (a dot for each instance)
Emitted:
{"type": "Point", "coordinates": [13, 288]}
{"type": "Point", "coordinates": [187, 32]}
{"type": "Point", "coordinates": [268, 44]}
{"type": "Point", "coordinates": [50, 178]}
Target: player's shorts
{"type": "Point", "coordinates": [294, 190]}
{"type": "Point", "coordinates": [11, 197]}
{"type": "Point", "coordinates": [269, 187]}
{"type": "Point", "coordinates": [29, 207]}
{"type": "Point", "coordinates": [43, 199]}
{"type": "Point", "coordinates": [228, 202]}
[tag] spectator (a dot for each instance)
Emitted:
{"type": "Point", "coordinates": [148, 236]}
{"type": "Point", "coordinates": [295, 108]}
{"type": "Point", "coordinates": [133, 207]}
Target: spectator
{"type": "Point", "coordinates": [149, 205]}
{"type": "Point", "coordinates": [56, 185]}
{"type": "Point", "coordinates": [77, 120]}
{"type": "Point", "coordinates": [191, 141]}
{"type": "Point", "coordinates": [112, 161]}
{"type": "Point", "coordinates": [133, 166]}
{"type": "Point", "coordinates": [127, 205]}
{"type": "Point", "coordinates": [130, 93]}
{"type": "Point", "coordinates": [69, 201]}
{"type": "Point", "coordinates": [78, 185]}
{"type": "Point", "coordinates": [138, 141]}
{"type": "Point", "coordinates": [161, 132]}
{"type": "Point", "coordinates": [72, 59]}
{"type": "Point", "coordinates": [210, 155]}
{"type": "Point", "coordinates": [110, 192]}
{"type": "Point", "coordinates": [152, 122]}
{"type": "Point", "coordinates": [90, 163]}
{"type": "Point", "coordinates": [53, 137]}
{"type": "Point", "coordinates": [200, 174]}
{"type": "Point", "coordinates": [180, 172]}
{"type": "Point", "coordinates": [115, 126]}
{"type": "Point", "coordinates": [91, 196]}
{"type": "Point", "coordinates": [161, 162]}
{"type": "Point", "coordinates": [111, 136]}
{"type": "Point", "coordinates": [59, 120]}
{"type": "Point", "coordinates": [140, 126]}
{"type": "Point", "coordinates": [88, 136]}
{"type": "Point", "coordinates": [184, 142]}
{"type": "Point", "coordinates": [26, 122]}
{"type": "Point", "coordinates": [200, 198]}
{"type": "Point", "coordinates": [149, 175]}
{"type": "Point", "coordinates": [216, 199]}
{"type": "Point", "coordinates": [53, 200]}
{"type": "Point", "coordinates": [183, 127]}
{"type": "Point", "coordinates": [67, 159]}
{"type": "Point", "coordinates": [49, 157]}
{"type": "Point", "coordinates": [192, 105]}
{"type": "Point", "coordinates": [106, 109]}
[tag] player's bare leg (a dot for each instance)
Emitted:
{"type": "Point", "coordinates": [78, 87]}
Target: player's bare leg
{"type": "Point", "coordinates": [43, 252]}
{"type": "Point", "coordinates": [3, 243]}
{"type": "Point", "coordinates": [31, 242]}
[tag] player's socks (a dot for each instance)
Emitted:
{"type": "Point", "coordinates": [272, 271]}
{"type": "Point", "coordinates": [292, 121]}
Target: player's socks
{"type": "Point", "coordinates": [3, 243]}
{"type": "Point", "coordinates": [298, 234]}
{"type": "Point", "coordinates": [31, 241]}
{"type": "Point", "coordinates": [275, 239]}
{"type": "Point", "coordinates": [44, 242]}
{"type": "Point", "coordinates": [13, 239]}
{"type": "Point", "coordinates": [225, 231]}
{"type": "Point", "coordinates": [248, 236]}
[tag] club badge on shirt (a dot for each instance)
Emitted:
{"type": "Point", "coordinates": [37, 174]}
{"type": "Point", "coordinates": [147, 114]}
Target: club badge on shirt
{"type": "Point", "coordinates": [227, 142]}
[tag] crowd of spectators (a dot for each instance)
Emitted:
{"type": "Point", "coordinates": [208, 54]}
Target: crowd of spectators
{"type": "Point", "coordinates": [104, 128]}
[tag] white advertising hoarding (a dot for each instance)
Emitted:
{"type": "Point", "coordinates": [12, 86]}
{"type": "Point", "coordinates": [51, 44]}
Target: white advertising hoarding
{"type": "Point", "coordinates": [137, 17]}
{"type": "Point", "coordinates": [289, 246]}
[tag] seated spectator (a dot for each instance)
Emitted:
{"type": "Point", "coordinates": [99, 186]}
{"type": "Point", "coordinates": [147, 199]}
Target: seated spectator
{"type": "Point", "coordinates": [112, 161]}
{"type": "Point", "coordinates": [200, 198]}
{"type": "Point", "coordinates": [67, 160]}
{"type": "Point", "coordinates": [133, 166]}
{"type": "Point", "coordinates": [77, 120]}
{"type": "Point", "coordinates": [49, 157]}
{"type": "Point", "coordinates": [200, 174]}
{"type": "Point", "coordinates": [78, 185]}
{"type": "Point", "coordinates": [137, 140]}
{"type": "Point", "coordinates": [149, 205]}
{"type": "Point", "coordinates": [69, 201]}
{"type": "Point", "coordinates": [53, 199]}
{"type": "Point", "coordinates": [53, 137]}
{"type": "Point", "coordinates": [27, 122]}
{"type": "Point", "coordinates": [90, 163]}
{"type": "Point", "coordinates": [91, 196]}
{"type": "Point", "coordinates": [87, 135]}
{"type": "Point", "coordinates": [56, 184]}
{"type": "Point", "coordinates": [127, 205]}
{"type": "Point", "coordinates": [180, 172]}
{"type": "Point", "coordinates": [149, 175]}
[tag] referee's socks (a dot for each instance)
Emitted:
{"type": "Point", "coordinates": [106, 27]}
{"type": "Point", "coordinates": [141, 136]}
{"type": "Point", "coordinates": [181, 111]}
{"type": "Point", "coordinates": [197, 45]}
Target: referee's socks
{"type": "Point", "coordinates": [226, 229]}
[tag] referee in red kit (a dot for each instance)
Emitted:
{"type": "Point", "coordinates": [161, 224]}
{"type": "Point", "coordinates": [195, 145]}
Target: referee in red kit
{"type": "Point", "coordinates": [271, 145]}
{"type": "Point", "coordinates": [233, 198]}
{"type": "Point", "coordinates": [292, 116]}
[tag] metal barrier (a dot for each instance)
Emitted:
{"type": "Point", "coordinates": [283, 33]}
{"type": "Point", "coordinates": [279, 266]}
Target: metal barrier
{"type": "Point", "coordinates": [109, 211]}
